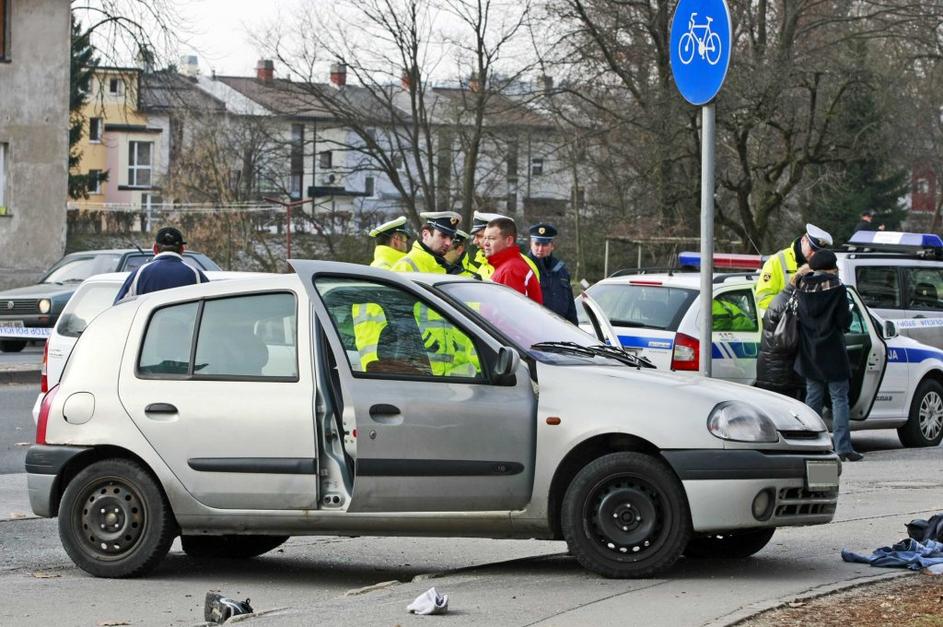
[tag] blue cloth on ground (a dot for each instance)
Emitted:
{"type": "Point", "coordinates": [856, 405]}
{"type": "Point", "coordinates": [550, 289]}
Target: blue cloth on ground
{"type": "Point", "coordinates": [905, 554]}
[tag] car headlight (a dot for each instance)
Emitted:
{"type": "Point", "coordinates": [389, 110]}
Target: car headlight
{"type": "Point", "coordinates": [45, 305]}
{"type": "Point", "coordinates": [741, 422]}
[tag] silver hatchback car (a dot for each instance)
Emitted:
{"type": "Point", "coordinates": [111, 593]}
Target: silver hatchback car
{"type": "Point", "coordinates": [346, 400]}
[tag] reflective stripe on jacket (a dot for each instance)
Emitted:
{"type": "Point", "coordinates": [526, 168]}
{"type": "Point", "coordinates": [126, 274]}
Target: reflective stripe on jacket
{"type": "Point", "coordinates": [419, 259]}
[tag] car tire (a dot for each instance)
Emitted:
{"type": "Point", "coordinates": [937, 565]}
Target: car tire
{"type": "Point", "coordinates": [735, 544]}
{"type": "Point", "coordinates": [924, 425]}
{"type": "Point", "coordinates": [115, 521]}
{"type": "Point", "coordinates": [229, 546]}
{"type": "Point", "coordinates": [625, 515]}
{"type": "Point", "coordinates": [12, 346]}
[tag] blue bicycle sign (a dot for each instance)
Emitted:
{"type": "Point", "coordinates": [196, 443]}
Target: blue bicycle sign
{"type": "Point", "coordinates": [708, 45]}
{"type": "Point", "coordinates": [700, 48]}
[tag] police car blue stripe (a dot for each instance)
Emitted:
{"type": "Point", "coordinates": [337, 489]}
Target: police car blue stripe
{"type": "Point", "coordinates": [634, 341]}
{"type": "Point", "coordinates": [912, 355]}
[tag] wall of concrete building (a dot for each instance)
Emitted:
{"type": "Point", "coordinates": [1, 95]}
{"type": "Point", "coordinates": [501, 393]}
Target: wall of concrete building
{"type": "Point", "coordinates": [34, 126]}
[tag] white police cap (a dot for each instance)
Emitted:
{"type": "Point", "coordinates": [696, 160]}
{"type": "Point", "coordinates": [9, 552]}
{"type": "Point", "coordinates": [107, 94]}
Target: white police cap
{"type": "Point", "coordinates": [818, 238]}
{"type": "Point", "coordinates": [481, 220]}
{"type": "Point", "coordinates": [392, 226]}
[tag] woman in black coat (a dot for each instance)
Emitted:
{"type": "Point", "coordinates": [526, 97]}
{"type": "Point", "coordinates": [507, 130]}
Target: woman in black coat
{"type": "Point", "coordinates": [775, 368]}
{"type": "Point", "coordinates": [824, 317]}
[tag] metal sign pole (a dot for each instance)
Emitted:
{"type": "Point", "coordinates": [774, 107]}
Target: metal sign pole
{"type": "Point", "coordinates": [707, 237]}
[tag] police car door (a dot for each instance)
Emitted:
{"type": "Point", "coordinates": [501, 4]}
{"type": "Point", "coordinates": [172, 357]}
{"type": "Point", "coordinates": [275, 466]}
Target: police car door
{"type": "Point", "coordinates": [867, 356]}
{"type": "Point", "coordinates": [736, 335]}
{"type": "Point", "coordinates": [431, 432]}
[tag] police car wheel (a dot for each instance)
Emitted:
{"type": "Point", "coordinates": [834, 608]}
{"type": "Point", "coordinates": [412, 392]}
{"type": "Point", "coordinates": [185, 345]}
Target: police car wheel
{"type": "Point", "coordinates": [925, 425]}
{"type": "Point", "coordinates": [12, 346]}
{"type": "Point", "coordinates": [229, 546]}
{"type": "Point", "coordinates": [114, 520]}
{"type": "Point", "coordinates": [729, 545]}
{"type": "Point", "coordinates": [625, 515]}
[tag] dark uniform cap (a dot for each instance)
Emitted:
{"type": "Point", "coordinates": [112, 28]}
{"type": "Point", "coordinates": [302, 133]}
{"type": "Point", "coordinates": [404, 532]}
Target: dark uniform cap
{"type": "Point", "coordinates": [543, 233]}
{"type": "Point", "coordinates": [444, 221]}
{"type": "Point", "coordinates": [169, 236]}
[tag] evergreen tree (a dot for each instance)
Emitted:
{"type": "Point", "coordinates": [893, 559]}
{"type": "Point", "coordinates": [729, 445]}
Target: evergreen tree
{"type": "Point", "coordinates": [82, 67]}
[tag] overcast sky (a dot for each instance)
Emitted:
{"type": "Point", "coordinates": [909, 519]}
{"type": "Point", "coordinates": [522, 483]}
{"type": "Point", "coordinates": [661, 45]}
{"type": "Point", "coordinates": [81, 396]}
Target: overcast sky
{"type": "Point", "coordinates": [220, 31]}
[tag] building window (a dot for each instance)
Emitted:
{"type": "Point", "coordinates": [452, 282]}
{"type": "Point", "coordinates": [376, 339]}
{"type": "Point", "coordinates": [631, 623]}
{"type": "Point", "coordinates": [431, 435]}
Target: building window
{"type": "Point", "coordinates": [4, 10]}
{"type": "Point", "coordinates": [115, 86]}
{"type": "Point", "coordinates": [512, 160]}
{"type": "Point", "coordinates": [297, 159]}
{"type": "Point", "coordinates": [3, 178]}
{"type": "Point", "coordinates": [921, 186]}
{"type": "Point", "coordinates": [537, 167]}
{"type": "Point", "coordinates": [139, 164]}
{"type": "Point", "coordinates": [325, 160]}
{"type": "Point", "coordinates": [369, 186]}
{"type": "Point", "coordinates": [94, 181]}
{"type": "Point", "coordinates": [94, 128]}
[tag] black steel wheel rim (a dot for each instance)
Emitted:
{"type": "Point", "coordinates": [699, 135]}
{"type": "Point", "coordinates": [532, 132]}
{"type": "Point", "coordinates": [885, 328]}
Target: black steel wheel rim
{"type": "Point", "coordinates": [627, 517]}
{"type": "Point", "coordinates": [110, 519]}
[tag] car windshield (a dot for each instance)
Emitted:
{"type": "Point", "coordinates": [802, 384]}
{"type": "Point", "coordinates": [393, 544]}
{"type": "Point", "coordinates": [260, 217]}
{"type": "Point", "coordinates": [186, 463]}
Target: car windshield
{"type": "Point", "coordinates": [88, 301]}
{"type": "Point", "coordinates": [77, 269]}
{"type": "Point", "coordinates": [648, 306]}
{"type": "Point", "coordinates": [526, 323]}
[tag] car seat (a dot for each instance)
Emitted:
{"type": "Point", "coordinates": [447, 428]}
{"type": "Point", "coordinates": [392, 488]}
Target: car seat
{"type": "Point", "coordinates": [925, 294]}
{"type": "Point", "coordinates": [400, 350]}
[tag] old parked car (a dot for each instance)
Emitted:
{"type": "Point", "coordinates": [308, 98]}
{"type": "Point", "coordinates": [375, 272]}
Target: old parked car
{"type": "Point", "coordinates": [238, 413]}
{"type": "Point", "coordinates": [39, 305]}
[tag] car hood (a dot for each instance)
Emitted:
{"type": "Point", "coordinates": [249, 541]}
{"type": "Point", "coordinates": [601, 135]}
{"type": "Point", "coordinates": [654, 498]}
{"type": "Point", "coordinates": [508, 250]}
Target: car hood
{"type": "Point", "coordinates": [40, 290]}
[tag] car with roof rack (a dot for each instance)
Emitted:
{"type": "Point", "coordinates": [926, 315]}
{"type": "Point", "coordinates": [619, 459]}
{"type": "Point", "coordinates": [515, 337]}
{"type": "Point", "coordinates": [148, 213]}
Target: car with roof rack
{"type": "Point", "coordinates": [897, 382]}
{"type": "Point", "coordinates": [237, 413]}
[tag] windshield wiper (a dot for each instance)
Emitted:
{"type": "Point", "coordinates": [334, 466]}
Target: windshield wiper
{"type": "Point", "coordinates": [601, 350]}
{"type": "Point", "coordinates": [564, 347]}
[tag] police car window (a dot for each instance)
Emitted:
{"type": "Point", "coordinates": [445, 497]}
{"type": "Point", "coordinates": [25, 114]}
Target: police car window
{"type": "Point", "coordinates": [389, 332]}
{"type": "Point", "coordinates": [878, 286]}
{"type": "Point", "coordinates": [734, 311]}
{"type": "Point", "coordinates": [858, 325]}
{"type": "Point", "coordinates": [166, 349]}
{"type": "Point", "coordinates": [649, 306]}
{"type": "Point", "coordinates": [89, 301]}
{"type": "Point", "coordinates": [248, 336]}
{"type": "Point", "coordinates": [924, 288]}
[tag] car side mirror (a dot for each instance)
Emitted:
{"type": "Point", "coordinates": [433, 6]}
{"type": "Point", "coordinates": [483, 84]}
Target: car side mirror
{"type": "Point", "coordinates": [506, 365]}
{"type": "Point", "coordinates": [889, 330]}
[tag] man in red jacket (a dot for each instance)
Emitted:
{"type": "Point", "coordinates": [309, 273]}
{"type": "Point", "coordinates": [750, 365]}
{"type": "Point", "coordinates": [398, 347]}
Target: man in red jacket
{"type": "Point", "coordinates": [500, 243]}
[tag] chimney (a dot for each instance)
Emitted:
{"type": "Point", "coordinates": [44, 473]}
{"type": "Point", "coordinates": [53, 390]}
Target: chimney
{"type": "Point", "coordinates": [473, 83]}
{"type": "Point", "coordinates": [545, 83]}
{"type": "Point", "coordinates": [189, 65]}
{"type": "Point", "coordinates": [406, 80]}
{"type": "Point", "coordinates": [265, 70]}
{"type": "Point", "coordinates": [338, 74]}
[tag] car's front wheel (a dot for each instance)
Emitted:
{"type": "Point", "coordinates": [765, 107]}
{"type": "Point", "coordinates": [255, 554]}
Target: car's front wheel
{"type": "Point", "coordinates": [734, 544]}
{"type": "Point", "coordinates": [625, 515]}
{"type": "Point", "coordinates": [924, 425]}
{"type": "Point", "coordinates": [12, 346]}
{"type": "Point", "coordinates": [230, 546]}
{"type": "Point", "coordinates": [114, 520]}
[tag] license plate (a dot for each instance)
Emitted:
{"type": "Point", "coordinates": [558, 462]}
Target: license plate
{"type": "Point", "coordinates": [821, 475]}
{"type": "Point", "coordinates": [11, 323]}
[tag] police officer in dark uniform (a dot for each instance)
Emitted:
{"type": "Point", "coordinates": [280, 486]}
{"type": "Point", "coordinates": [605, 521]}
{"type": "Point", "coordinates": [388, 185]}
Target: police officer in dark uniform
{"type": "Point", "coordinates": [166, 270]}
{"type": "Point", "coordinates": [554, 277]}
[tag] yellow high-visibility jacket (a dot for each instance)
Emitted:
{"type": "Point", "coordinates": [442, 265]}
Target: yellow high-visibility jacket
{"type": "Point", "coordinates": [774, 277]}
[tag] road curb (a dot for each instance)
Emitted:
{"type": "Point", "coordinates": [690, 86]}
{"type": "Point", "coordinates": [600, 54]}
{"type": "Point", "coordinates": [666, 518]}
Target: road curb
{"type": "Point", "coordinates": [20, 377]}
{"type": "Point", "coordinates": [751, 611]}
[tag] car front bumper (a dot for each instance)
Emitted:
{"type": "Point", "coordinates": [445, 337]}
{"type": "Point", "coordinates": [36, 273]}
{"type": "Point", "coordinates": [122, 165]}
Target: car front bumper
{"type": "Point", "coordinates": [44, 466]}
{"type": "Point", "coordinates": [722, 485]}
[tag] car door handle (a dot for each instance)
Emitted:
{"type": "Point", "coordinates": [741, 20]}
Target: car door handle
{"type": "Point", "coordinates": [160, 408]}
{"type": "Point", "coordinates": [386, 414]}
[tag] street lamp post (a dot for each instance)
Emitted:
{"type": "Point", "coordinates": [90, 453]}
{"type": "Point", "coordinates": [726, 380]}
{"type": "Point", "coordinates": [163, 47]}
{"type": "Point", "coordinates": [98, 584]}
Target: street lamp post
{"type": "Point", "coordinates": [288, 207]}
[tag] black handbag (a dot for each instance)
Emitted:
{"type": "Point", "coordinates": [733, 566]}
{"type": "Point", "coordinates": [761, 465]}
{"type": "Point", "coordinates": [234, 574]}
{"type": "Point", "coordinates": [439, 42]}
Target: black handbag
{"type": "Point", "coordinates": [786, 334]}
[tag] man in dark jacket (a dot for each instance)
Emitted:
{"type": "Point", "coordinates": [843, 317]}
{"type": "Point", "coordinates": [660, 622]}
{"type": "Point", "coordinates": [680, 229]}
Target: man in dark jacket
{"type": "Point", "coordinates": [824, 317]}
{"type": "Point", "coordinates": [166, 270]}
{"type": "Point", "coordinates": [554, 276]}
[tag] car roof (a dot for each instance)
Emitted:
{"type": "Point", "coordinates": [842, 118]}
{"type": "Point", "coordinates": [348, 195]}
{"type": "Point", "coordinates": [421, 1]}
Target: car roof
{"type": "Point", "coordinates": [212, 275]}
{"type": "Point", "coordinates": [683, 280]}
{"type": "Point", "coordinates": [122, 251]}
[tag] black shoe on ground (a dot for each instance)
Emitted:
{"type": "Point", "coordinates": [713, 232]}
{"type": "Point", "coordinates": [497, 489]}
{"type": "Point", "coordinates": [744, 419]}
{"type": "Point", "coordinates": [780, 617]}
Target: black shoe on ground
{"type": "Point", "coordinates": [853, 456]}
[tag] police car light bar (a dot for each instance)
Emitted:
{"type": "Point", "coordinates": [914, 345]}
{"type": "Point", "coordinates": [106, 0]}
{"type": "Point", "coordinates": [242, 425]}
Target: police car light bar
{"type": "Point", "coordinates": [723, 260]}
{"type": "Point", "coordinates": [895, 240]}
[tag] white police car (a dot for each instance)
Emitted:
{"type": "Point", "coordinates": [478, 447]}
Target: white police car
{"type": "Point", "coordinates": [897, 382]}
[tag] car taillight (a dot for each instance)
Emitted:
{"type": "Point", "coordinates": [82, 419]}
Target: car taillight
{"type": "Point", "coordinates": [43, 378]}
{"type": "Point", "coordinates": [44, 415]}
{"type": "Point", "coordinates": [686, 353]}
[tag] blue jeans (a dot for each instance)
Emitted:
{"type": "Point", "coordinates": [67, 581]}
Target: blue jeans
{"type": "Point", "coordinates": [838, 390]}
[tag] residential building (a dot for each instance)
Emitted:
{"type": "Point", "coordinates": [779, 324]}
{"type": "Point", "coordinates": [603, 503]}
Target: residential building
{"type": "Point", "coordinates": [34, 143]}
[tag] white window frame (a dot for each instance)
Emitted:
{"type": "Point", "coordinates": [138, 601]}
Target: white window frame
{"type": "Point", "coordinates": [134, 168]}
{"type": "Point", "coordinates": [95, 138]}
{"type": "Point", "coordinates": [537, 166]}
{"type": "Point", "coordinates": [118, 84]}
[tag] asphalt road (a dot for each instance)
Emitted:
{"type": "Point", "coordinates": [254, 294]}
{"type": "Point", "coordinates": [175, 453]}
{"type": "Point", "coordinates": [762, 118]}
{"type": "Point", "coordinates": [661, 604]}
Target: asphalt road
{"type": "Point", "coordinates": [16, 425]}
{"type": "Point", "coordinates": [32, 354]}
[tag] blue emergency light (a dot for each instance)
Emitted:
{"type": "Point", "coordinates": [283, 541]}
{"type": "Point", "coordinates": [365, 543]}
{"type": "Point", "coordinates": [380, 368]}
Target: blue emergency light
{"type": "Point", "coordinates": [734, 261]}
{"type": "Point", "coordinates": [896, 240]}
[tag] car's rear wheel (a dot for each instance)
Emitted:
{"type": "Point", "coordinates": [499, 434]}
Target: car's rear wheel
{"type": "Point", "coordinates": [734, 544]}
{"type": "Point", "coordinates": [114, 520]}
{"type": "Point", "coordinates": [12, 346]}
{"type": "Point", "coordinates": [924, 426]}
{"type": "Point", "coordinates": [625, 515]}
{"type": "Point", "coordinates": [230, 546]}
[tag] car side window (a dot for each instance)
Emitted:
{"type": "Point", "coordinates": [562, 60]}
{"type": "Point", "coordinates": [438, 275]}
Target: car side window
{"type": "Point", "coordinates": [389, 332]}
{"type": "Point", "coordinates": [924, 288]}
{"type": "Point", "coordinates": [858, 326]}
{"type": "Point", "coordinates": [248, 336]}
{"type": "Point", "coordinates": [167, 342]}
{"type": "Point", "coordinates": [734, 311]}
{"type": "Point", "coordinates": [879, 286]}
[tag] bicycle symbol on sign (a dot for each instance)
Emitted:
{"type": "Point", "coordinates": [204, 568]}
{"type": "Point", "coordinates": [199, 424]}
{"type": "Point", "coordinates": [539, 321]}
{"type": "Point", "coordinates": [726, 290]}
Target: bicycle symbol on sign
{"type": "Point", "coordinates": [708, 44]}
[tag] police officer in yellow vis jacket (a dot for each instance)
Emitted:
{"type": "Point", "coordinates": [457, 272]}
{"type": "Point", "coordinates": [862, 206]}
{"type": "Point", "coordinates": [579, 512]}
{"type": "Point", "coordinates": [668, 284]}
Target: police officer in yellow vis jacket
{"type": "Point", "coordinates": [392, 243]}
{"type": "Point", "coordinates": [457, 256]}
{"type": "Point", "coordinates": [435, 240]}
{"type": "Point", "coordinates": [780, 267]}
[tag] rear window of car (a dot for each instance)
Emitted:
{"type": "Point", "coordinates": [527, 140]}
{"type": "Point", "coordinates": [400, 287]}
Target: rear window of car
{"type": "Point", "coordinates": [648, 306]}
{"type": "Point", "coordinates": [87, 302]}
{"type": "Point", "coordinates": [879, 286]}
{"type": "Point", "coordinates": [77, 269]}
